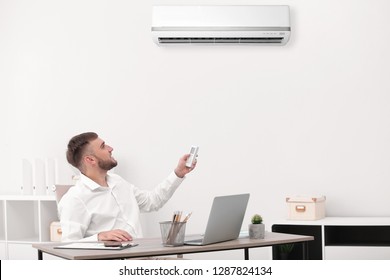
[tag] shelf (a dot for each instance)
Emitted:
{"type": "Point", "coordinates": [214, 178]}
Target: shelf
{"type": "Point", "coordinates": [342, 237]}
{"type": "Point", "coordinates": [2, 220]}
{"type": "Point", "coordinates": [314, 247]}
{"type": "Point", "coordinates": [3, 250]}
{"type": "Point", "coordinates": [357, 235]}
{"type": "Point", "coordinates": [28, 197]}
{"type": "Point", "coordinates": [342, 221]}
{"type": "Point", "coordinates": [21, 251]}
{"type": "Point", "coordinates": [25, 219]}
{"type": "Point", "coordinates": [357, 253]}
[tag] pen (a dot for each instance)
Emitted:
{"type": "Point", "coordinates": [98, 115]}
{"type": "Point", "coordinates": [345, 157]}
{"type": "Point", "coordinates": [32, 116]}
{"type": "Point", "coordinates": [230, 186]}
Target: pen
{"type": "Point", "coordinates": [178, 217]}
{"type": "Point", "coordinates": [187, 217]}
{"type": "Point", "coordinates": [175, 219]}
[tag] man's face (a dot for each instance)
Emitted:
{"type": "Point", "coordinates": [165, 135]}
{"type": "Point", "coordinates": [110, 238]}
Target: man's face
{"type": "Point", "coordinates": [103, 154]}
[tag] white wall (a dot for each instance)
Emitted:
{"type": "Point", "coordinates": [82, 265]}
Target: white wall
{"type": "Point", "coordinates": [311, 117]}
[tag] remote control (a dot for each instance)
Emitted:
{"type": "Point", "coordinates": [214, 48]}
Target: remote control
{"type": "Point", "coordinates": [193, 154]}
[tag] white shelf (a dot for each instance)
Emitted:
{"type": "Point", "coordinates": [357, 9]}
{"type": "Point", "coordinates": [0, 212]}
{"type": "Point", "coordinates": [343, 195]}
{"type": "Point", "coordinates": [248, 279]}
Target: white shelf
{"type": "Point", "coordinates": [342, 221]}
{"type": "Point", "coordinates": [338, 238]}
{"type": "Point", "coordinates": [357, 253]}
{"type": "Point", "coordinates": [28, 197]}
{"type": "Point", "coordinates": [2, 220]}
{"type": "Point", "coordinates": [25, 219]}
{"type": "Point", "coordinates": [21, 251]}
{"type": "Point", "coordinates": [3, 250]}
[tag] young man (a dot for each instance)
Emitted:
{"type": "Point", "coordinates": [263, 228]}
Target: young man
{"type": "Point", "coordinates": [104, 206]}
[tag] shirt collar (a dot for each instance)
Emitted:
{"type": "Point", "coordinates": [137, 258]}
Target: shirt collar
{"type": "Point", "coordinates": [92, 185]}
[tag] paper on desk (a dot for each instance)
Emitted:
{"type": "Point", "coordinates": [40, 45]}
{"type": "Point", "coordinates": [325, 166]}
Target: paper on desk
{"type": "Point", "coordinates": [93, 246]}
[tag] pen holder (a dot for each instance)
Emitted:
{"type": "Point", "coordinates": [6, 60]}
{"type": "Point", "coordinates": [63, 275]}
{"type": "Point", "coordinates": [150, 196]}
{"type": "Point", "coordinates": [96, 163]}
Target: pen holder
{"type": "Point", "coordinates": [172, 233]}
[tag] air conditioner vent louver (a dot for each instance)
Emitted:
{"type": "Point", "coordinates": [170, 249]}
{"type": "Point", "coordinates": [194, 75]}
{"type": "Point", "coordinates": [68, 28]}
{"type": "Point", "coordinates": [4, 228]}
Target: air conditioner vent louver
{"type": "Point", "coordinates": [224, 25]}
{"type": "Point", "coordinates": [213, 40]}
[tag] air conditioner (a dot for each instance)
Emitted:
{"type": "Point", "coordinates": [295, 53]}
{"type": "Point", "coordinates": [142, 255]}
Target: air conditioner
{"type": "Point", "coordinates": [229, 25]}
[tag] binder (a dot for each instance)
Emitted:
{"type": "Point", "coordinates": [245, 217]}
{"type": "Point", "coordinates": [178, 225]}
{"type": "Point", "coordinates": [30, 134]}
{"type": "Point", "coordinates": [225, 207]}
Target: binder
{"type": "Point", "coordinates": [39, 177]}
{"type": "Point", "coordinates": [27, 177]}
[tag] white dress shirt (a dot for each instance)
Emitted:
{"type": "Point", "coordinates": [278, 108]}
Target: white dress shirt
{"type": "Point", "coordinates": [88, 208]}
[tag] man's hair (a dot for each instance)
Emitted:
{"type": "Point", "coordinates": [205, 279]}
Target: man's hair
{"type": "Point", "coordinates": [76, 147]}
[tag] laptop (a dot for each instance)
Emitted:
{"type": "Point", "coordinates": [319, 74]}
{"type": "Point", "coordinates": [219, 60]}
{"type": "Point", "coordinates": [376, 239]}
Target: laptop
{"type": "Point", "coordinates": [225, 220]}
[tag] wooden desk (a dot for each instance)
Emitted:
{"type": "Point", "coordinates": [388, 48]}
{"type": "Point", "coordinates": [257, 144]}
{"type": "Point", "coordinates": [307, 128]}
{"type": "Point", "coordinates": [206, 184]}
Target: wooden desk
{"type": "Point", "coordinates": [152, 247]}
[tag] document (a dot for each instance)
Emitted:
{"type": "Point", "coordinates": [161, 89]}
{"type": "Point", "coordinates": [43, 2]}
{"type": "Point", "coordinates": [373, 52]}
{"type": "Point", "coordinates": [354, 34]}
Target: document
{"type": "Point", "coordinates": [93, 246]}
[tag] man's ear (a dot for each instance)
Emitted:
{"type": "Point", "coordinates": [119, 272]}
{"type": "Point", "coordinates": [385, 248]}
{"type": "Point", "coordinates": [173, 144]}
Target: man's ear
{"type": "Point", "coordinates": [89, 160]}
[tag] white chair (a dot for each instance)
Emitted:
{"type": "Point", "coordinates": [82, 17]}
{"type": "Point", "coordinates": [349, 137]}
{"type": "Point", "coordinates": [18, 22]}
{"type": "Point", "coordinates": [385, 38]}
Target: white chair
{"type": "Point", "coordinates": [60, 190]}
{"type": "Point", "coordinates": [55, 227]}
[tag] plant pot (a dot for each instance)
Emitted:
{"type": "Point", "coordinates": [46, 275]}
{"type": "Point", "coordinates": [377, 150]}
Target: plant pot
{"type": "Point", "coordinates": [284, 255]}
{"type": "Point", "coordinates": [285, 250]}
{"type": "Point", "coordinates": [256, 231]}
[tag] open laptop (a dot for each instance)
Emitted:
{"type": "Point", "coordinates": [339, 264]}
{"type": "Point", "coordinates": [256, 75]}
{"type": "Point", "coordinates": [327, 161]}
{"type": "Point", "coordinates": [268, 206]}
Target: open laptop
{"type": "Point", "coordinates": [225, 220]}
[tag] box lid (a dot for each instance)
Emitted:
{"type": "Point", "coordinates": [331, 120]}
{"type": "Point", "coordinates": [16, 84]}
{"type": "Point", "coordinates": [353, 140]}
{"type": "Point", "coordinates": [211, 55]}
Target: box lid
{"type": "Point", "coordinates": [307, 199]}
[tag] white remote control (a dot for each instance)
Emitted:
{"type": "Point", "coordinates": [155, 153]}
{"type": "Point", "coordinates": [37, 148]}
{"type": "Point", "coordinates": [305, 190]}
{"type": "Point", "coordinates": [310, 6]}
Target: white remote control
{"type": "Point", "coordinates": [193, 154]}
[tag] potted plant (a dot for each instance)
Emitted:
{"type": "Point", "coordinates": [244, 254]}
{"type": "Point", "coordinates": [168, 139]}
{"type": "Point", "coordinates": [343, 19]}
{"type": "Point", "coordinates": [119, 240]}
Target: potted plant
{"type": "Point", "coordinates": [285, 250]}
{"type": "Point", "coordinates": [256, 228]}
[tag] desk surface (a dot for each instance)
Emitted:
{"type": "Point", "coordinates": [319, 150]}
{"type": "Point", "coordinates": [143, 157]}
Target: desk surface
{"type": "Point", "coordinates": [152, 247]}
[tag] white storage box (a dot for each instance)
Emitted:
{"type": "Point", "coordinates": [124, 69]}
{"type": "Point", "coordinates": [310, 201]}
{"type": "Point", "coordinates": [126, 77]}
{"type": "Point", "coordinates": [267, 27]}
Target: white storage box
{"type": "Point", "coordinates": [55, 231]}
{"type": "Point", "coordinates": [306, 207]}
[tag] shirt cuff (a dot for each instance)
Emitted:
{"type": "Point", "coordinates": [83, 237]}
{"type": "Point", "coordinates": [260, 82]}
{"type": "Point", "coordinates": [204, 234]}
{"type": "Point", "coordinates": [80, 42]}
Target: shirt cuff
{"type": "Point", "coordinates": [175, 181]}
{"type": "Point", "coordinates": [91, 238]}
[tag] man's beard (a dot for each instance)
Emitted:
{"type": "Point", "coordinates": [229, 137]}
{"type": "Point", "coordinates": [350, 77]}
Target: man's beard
{"type": "Point", "coordinates": [107, 164]}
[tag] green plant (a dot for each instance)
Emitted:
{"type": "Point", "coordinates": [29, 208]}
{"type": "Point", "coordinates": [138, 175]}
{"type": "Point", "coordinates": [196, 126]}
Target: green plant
{"type": "Point", "coordinates": [286, 248]}
{"type": "Point", "coordinates": [257, 219]}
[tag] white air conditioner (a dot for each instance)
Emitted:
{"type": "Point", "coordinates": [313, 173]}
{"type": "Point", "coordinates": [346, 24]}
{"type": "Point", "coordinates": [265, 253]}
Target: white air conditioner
{"type": "Point", "coordinates": [245, 25]}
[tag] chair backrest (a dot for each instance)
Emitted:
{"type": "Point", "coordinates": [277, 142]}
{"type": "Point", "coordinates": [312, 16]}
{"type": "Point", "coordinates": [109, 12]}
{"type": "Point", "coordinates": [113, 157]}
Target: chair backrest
{"type": "Point", "coordinates": [60, 190]}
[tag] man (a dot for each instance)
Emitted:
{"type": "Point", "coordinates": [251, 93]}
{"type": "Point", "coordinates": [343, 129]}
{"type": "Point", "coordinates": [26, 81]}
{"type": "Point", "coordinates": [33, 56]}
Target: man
{"type": "Point", "coordinates": [104, 206]}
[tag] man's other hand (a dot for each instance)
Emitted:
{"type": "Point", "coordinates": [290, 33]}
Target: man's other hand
{"type": "Point", "coordinates": [114, 235]}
